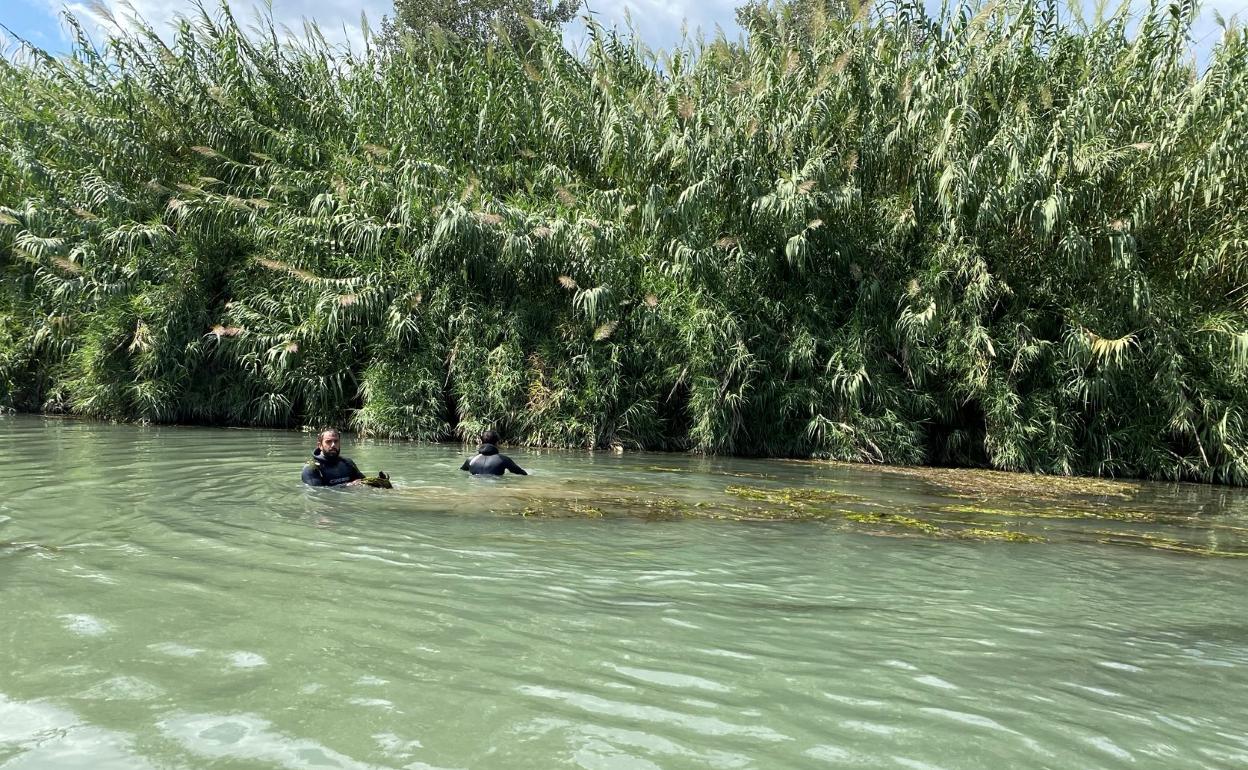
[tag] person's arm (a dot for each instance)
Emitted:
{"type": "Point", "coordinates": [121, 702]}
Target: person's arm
{"type": "Point", "coordinates": [511, 466]}
{"type": "Point", "coordinates": [312, 476]}
{"type": "Point", "coordinates": [464, 467]}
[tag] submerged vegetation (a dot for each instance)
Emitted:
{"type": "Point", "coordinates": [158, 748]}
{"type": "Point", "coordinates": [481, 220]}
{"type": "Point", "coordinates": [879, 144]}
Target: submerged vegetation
{"type": "Point", "coordinates": [995, 238]}
{"type": "Point", "coordinates": [1179, 519]}
{"type": "Point", "coordinates": [1162, 524]}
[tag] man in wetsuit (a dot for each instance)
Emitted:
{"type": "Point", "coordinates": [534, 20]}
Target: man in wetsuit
{"type": "Point", "coordinates": [328, 468]}
{"type": "Point", "coordinates": [488, 461]}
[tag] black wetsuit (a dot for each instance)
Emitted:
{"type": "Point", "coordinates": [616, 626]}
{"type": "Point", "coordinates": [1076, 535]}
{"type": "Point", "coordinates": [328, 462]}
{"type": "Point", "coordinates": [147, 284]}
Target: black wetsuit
{"type": "Point", "coordinates": [489, 462]}
{"type": "Point", "coordinates": [319, 472]}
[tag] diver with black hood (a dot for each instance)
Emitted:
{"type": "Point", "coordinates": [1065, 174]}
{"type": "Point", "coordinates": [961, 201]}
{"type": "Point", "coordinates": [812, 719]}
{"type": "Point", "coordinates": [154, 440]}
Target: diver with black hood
{"type": "Point", "coordinates": [487, 461]}
{"type": "Point", "coordinates": [328, 468]}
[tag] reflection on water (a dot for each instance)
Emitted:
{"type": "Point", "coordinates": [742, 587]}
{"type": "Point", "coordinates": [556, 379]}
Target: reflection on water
{"type": "Point", "coordinates": [173, 597]}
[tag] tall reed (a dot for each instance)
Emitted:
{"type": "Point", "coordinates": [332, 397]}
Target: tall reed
{"type": "Point", "coordinates": [994, 237]}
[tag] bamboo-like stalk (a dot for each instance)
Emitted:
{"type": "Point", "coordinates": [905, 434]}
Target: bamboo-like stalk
{"type": "Point", "coordinates": [988, 238]}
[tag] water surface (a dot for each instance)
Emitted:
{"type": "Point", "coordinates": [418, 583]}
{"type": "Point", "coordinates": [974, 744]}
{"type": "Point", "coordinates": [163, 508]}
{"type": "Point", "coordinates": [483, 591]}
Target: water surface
{"type": "Point", "coordinates": [173, 598]}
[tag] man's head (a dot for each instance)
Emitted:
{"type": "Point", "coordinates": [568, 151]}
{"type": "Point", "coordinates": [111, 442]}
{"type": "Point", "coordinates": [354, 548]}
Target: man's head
{"type": "Point", "coordinates": [330, 443]}
{"type": "Point", "coordinates": [489, 437]}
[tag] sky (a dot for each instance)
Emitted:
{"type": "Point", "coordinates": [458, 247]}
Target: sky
{"type": "Point", "coordinates": [661, 23]}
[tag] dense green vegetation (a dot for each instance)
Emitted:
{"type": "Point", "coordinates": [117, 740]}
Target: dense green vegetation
{"type": "Point", "coordinates": [993, 238]}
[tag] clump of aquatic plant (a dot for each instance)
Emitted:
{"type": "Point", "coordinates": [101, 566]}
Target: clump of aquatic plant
{"type": "Point", "coordinates": [795, 497]}
{"type": "Point", "coordinates": [894, 520]}
{"type": "Point", "coordinates": [380, 481]}
{"type": "Point", "coordinates": [570, 508]}
{"type": "Point", "coordinates": [1069, 511]}
{"type": "Point", "coordinates": [994, 486]}
{"type": "Point", "coordinates": [937, 528]}
{"type": "Point", "coordinates": [1004, 535]}
{"type": "Point", "coordinates": [993, 237]}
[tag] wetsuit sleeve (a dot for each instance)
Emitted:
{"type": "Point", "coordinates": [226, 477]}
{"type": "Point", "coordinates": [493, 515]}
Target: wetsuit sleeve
{"type": "Point", "coordinates": [511, 466]}
{"type": "Point", "coordinates": [311, 477]}
{"type": "Point", "coordinates": [464, 467]}
{"type": "Point", "coordinates": [355, 472]}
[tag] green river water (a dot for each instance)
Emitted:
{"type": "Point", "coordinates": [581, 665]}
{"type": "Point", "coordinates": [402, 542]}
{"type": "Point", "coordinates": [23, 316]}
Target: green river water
{"type": "Point", "coordinates": [174, 598]}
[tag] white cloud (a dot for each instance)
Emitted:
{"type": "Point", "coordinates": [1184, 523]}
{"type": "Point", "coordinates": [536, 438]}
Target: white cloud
{"type": "Point", "coordinates": [661, 24]}
{"type": "Point", "coordinates": [339, 20]}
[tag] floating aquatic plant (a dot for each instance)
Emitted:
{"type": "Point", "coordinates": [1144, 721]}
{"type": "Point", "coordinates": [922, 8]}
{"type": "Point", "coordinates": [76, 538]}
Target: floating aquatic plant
{"type": "Point", "coordinates": [1009, 536]}
{"type": "Point", "coordinates": [791, 496]}
{"type": "Point", "coordinates": [1168, 544]}
{"type": "Point", "coordinates": [896, 520]}
{"type": "Point", "coordinates": [1053, 512]}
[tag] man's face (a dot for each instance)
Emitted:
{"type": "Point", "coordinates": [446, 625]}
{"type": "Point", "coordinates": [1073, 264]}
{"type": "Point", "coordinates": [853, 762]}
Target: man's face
{"type": "Point", "coordinates": [330, 445]}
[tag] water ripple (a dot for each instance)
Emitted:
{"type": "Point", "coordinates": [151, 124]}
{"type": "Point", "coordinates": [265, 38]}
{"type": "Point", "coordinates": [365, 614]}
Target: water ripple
{"type": "Point", "coordinates": [195, 623]}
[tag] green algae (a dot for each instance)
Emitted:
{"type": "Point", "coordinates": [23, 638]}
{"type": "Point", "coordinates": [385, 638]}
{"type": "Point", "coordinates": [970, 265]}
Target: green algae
{"type": "Point", "coordinates": [979, 510]}
{"type": "Point", "coordinates": [931, 529]}
{"type": "Point", "coordinates": [556, 508]}
{"type": "Point", "coordinates": [762, 513]}
{"type": "Point", "coordinates": [380, 481]}
{"type": "Point", "coordinates": [1065, 512]}
{"type": "Point", "coordinates": [791, 496]}
{"type": "Point", "coordinates": [657, 508]}
{"type": "Point", "coordinates": [646, 507]}
{"type": "Point", "coordinates": [984, 485]}
{"type": "Point", "coordinates": [1005, 535]}
{"type": "Point", "coordinates": [1000, 520]}
{"type": "Point", "coordinates": [896, 520]}
{"type": "Point", "coordinates": [785, 507]}
{"type": "Point", "coordinates": [1167, 544]}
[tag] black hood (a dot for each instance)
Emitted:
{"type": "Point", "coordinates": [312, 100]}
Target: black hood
{"type": "Point", "coordinates": [487, 449]}
{"type": "Point", "coordinates": [316, 455]}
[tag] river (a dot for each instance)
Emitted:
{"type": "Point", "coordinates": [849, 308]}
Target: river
{"type": "Point", "coordinates": [174, 598]}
